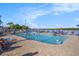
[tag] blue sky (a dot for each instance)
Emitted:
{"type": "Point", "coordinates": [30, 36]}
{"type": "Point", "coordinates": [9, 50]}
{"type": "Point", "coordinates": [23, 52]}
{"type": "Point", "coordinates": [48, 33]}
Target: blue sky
{"type": "Point", "coordinates": [41, 15]}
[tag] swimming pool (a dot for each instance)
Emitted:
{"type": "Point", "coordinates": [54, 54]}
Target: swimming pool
{"type": "Point", "coordinates": [50, 39]}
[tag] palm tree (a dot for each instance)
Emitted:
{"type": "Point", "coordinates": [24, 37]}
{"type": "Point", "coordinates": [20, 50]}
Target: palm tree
{"type": "Point", "coordinates": [0, 20]}
{"type": "Point", "coordinates": [1, 27]}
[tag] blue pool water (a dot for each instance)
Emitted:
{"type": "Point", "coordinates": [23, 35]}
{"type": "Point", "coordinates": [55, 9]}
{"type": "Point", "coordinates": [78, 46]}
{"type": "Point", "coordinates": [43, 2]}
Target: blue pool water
{"type": "Point", "coordinates": [43, 38]}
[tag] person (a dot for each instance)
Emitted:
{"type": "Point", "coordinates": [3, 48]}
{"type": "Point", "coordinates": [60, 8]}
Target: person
{"type": "Point", "coordinates": [72, 32]}
{"type": "Point", "coordinates": [62, 33]}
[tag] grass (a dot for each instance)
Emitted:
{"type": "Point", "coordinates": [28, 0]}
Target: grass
{"type": "Point", "coordinates": [63, 28]}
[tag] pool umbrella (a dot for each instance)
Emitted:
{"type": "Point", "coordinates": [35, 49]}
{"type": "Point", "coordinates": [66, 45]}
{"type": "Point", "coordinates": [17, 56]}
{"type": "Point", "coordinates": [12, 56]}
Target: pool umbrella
{"type": "Point", "coordinates": [77, 25]}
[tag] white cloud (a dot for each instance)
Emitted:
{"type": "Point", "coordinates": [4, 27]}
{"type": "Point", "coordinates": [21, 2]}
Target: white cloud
{"type": "Point", "coordinates": [65, 7]}
{"type": "Point", "coordinates": [59, 25]}
{"type": "Point", "coordinates": [32, 13]}
{"type": "Point", "coordinates": [76, 19]}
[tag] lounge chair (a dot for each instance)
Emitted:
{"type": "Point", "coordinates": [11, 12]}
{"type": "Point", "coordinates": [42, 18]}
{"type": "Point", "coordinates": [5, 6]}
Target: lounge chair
{"type": "Point", "coordinates": [2, 34]}
{"type": "Point", "coordinates": [5, 43]}
{"type": "Point", "coordinates": [1, 50]}
{"type": "Point", "coordinates": [12, 40]}
{"type": "Point", "coordinates": [2, 47]}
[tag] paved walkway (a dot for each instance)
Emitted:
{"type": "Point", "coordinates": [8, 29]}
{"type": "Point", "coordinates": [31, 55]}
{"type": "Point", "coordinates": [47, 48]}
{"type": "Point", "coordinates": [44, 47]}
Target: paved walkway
{"type": "Point", "coordinates": [30, 47]}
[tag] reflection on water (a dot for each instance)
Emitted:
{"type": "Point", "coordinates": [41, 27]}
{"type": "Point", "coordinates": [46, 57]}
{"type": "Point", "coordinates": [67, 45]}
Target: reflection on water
{"type": "Point", "coordinates": [50, 39]}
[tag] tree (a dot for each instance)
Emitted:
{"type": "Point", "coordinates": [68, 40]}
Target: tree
{"type": "Point", "coordinates": [11, 25]}
{"type": "Point", "coordinates": [0, 21]}
{"type": "Point", "coordinates": [24, 27]}
{"type": "Point", "coordinates": [17, 26]}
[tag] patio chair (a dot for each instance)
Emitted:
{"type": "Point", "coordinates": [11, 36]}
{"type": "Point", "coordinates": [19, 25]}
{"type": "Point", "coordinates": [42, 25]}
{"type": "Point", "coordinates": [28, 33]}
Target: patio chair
{"type": "Point", "coordinates": [12, 40]}
{"type": "Point", "coordinates": [4, 44]}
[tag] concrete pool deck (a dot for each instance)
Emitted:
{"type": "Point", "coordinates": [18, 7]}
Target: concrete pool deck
{"type": "Point", "coordinates": [69, 48]}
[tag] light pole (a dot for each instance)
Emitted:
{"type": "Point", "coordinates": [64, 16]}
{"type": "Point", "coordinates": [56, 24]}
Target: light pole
{"type": "Point", "coordinates": [25, 22]}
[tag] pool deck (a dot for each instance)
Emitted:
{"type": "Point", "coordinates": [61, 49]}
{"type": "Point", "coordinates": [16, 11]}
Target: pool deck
{"type": "Point", "coordinates": [69, 48]}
